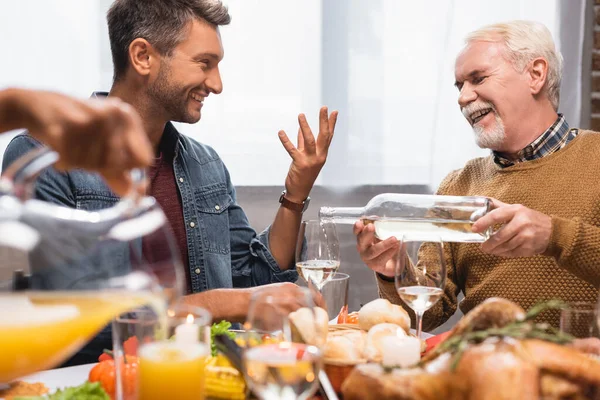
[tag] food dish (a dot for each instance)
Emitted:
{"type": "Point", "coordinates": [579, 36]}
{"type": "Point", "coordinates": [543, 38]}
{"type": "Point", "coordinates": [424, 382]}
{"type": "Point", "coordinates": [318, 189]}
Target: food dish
{"type": "Point", "coordinates": [495, 352]}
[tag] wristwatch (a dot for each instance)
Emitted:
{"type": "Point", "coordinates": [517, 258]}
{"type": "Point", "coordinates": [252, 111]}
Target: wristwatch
{"type": "Point", "coordinates": [298, 207]}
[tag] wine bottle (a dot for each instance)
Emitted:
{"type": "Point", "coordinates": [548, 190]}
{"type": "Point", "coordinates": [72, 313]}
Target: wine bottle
{"type": "Point", "coordinates": [417, 217]}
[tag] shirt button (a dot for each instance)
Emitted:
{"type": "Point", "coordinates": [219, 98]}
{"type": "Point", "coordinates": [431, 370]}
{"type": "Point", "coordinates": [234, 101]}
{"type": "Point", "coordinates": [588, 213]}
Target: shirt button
{"type": "Point", "coordinates": [217, 207]}
{"type": "Point", "coordinates": [197, 271]}
{"type": "Point", "coordinates": [181, 180]}
{"type": "Point", "coordinates": [192, 224]}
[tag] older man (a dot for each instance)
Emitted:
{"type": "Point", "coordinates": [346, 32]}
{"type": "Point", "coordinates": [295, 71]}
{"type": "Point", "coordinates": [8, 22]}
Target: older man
{"type": "Point", "coordinates": [543, 172]}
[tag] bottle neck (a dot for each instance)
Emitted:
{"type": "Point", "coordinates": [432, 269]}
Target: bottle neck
{"type": "Point", "coordinates": [341, 215]}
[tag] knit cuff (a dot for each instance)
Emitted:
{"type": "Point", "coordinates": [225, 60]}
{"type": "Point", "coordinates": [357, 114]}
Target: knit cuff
{"type": "Point", "coordinates": [387, 289]}
{"type": "Point", "coordinates": [562, 239]}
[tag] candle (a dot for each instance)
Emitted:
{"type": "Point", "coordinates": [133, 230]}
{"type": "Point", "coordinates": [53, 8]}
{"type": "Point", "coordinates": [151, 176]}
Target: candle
{"type": "Point", "coordinates": [188, 333]}
{"type": "Point", "coordinates": [400, 351]}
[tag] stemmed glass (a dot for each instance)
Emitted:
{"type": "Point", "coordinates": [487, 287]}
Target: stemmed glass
{"type": "Point", "coordinates": [68, 272]}
{"type": "Point", "coordinates": [420, 275]}
{"type": "Point", "coordinates": [281, 359]}
{"type": "Point", "coordinates": [317, 252]}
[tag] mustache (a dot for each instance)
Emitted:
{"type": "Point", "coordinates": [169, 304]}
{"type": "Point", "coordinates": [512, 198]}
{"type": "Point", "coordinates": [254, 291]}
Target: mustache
{"type": "Point", "coordinates": [469, 109]}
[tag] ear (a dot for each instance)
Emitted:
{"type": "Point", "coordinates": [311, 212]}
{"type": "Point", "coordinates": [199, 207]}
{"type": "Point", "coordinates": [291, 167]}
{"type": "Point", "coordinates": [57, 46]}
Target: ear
{"type": "Point", "coordinates": [142, 56]}
{"type": "Point", "coordinates": [538, 74]}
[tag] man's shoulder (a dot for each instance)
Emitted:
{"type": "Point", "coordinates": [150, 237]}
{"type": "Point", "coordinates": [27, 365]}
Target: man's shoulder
{"type": "Point", "coordinates": [201, 152]}
{"type": "Point", "coordinates": [474, 169]}
{"type": "Point", "coordinates": [20, 145]}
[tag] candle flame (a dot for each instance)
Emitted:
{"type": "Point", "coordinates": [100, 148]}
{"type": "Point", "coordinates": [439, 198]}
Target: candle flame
{"type": "Point", "coordinates": [190, 319]}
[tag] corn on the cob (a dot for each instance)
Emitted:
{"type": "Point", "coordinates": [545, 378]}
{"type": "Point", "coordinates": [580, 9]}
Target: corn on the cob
{"type": "Point", "coordinates": [223, 381]}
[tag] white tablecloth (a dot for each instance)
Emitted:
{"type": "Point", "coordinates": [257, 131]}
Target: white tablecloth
{"type": "Point", "coordinates": [61, 377]}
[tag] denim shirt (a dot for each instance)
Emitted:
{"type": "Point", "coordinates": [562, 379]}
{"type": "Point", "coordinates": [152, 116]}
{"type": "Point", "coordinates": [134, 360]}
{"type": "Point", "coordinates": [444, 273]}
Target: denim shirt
{"type": "Point", "coordinates": [223, 250]}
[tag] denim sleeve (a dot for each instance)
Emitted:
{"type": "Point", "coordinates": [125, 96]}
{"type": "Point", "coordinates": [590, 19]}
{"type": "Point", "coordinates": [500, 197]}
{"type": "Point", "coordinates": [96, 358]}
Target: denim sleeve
{"type": "Point", "coordinates": [252, 263]}
{"type": "Point", "coordinates": [51, 185]}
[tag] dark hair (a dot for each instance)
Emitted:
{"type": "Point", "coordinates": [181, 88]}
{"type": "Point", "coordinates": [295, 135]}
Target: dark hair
{"type": "Point", "coordinates": [161, 22]}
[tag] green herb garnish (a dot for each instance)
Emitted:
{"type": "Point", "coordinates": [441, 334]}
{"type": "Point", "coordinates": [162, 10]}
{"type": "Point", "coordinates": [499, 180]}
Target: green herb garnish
{"type": "Point", "coordinates": [222, 328]}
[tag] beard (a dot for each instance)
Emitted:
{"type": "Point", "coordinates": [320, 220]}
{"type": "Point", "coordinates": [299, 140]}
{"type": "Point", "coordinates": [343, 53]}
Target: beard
{"type": "Point", "coordinates": [172, 98]}
{"type": "Point", "coordinates": [491, 137]}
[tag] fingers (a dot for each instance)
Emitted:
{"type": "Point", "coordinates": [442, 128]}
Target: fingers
{"type": "Point", "coordinates": [136, 143]}
{"type": "Point", "coordinates": [358, 227]}
{"type": "Point", "coordinates": [300, 140]}
{"type": "Point", "coordinates": [494, 217]}
{"type": "Point", "coordinates": [119, 183]}
{"type": "Point", "coordinates": [497, 242]}
{"type": "Point", "coordinates": [309, 138]}
{"type": "Point", "coordinates": [497, 203]}
{"type": "Point", "coordinates": [288, 145]}
{"type": "Point", "coordinates": [369, 249]}
{"type": "Point", "coordinates": [323, 121]}
{"type": "Point", "coordinates": [333, 121]}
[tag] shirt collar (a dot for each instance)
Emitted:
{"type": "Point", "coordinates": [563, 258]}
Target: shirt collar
{"type": "Point", "coordinates": [553, 139]}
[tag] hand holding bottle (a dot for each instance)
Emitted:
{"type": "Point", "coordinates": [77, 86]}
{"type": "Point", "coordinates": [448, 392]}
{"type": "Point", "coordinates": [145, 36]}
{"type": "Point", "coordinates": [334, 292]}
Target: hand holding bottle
{"type": "Point", "coordinates": [377, 254]}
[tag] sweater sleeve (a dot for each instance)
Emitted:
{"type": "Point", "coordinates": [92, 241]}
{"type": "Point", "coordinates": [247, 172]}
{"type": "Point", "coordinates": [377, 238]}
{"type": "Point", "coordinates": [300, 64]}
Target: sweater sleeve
{"type": "Point", "coordinates": [576, 247]}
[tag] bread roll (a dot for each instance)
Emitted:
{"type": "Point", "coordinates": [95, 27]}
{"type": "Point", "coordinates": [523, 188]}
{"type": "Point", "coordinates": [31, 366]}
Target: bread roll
{"type": "Point", "coordinates": [345, 346]}
{"type": "Point", "coordinates": [312, 324]}
{"type": "Point", "coordinates": [381, 310]}
{"type": "Point", "coordinates": [373, 343]}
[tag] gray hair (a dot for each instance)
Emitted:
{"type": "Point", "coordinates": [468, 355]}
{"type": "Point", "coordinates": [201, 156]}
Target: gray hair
{"type": "Point", "coordinates": [525, 41]}
{"type": "Point", "coordinates": [161, 22]}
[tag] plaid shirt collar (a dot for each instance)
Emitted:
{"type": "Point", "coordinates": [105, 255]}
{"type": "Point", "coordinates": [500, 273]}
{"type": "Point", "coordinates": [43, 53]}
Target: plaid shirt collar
{"type": "Point", "coordinates": [553, 139]}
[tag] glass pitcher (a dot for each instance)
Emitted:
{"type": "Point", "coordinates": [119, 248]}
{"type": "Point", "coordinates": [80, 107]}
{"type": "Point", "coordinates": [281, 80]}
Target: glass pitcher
{"type": "Point", "coordinates": [66, 273]}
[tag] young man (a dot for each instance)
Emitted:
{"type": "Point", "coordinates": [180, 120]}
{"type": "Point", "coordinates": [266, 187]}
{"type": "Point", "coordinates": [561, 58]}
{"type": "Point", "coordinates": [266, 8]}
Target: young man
{"type": "Point", "coordinates": [166, 56]}
{"type": "Point", "coordinates": [541, 170]}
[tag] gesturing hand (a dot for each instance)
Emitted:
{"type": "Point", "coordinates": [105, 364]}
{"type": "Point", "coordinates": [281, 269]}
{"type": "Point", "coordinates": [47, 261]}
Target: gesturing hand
{"type": "Point", "coordinates": [310, 155]}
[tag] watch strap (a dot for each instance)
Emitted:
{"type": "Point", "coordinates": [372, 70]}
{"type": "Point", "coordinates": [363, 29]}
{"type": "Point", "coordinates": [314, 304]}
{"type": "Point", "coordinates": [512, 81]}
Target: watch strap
{"type": "Point", "coordinates": [297, 207]}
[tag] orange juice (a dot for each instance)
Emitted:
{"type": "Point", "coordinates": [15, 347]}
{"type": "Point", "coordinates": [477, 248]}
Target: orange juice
{"type": "Point", "coordinates": [39, 330]}
{"type": "Point", "coordinates": [170, 370]}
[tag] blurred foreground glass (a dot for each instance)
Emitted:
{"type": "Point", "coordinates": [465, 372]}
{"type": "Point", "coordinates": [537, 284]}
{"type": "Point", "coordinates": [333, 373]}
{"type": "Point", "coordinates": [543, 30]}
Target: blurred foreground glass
{"type": "Point", "coordinates": [420, 275]}
{"type": "Point", "coordinates": [580, 320]}
{"type": "Point", "coordinates": [69, 272]}
{"type": "Point", "coordinates": [278, 361]}
{"type": "Point", "coordinates": [173, 368]}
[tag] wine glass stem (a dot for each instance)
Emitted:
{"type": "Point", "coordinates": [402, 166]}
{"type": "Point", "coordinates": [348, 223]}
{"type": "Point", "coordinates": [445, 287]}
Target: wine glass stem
{"type": "Point", "coordinates": [419, 315]}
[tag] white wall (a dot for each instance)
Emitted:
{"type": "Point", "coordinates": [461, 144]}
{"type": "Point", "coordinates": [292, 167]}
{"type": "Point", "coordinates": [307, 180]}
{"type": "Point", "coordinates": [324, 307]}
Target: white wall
{"type": "Point", "coordinates": [387, 65]}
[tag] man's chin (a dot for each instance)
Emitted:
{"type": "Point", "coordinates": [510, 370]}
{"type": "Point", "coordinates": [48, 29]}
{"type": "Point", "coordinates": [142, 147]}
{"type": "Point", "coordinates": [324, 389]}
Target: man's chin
{"type": "Point", "coordinates": [189, 118]}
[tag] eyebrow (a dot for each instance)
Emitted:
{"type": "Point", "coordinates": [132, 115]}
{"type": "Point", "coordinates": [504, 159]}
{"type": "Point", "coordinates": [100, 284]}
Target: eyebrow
{"type": "Point", "coordinates": [471, 75]}
{"type": "Point", "coordinates": [201, 56]}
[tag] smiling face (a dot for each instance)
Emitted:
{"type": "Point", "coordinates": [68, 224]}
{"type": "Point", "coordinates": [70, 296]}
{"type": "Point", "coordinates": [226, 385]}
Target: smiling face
{"type": "Point", "coordinates": [186, 77]}
{"type": "Point", "coordinates": [494, 96]}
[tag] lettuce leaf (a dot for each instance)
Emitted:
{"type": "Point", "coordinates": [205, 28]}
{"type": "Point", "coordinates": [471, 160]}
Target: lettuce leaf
{"type": "Point", "coordinates": [219, 329]}
{"type": "Point", "coordinates": [86, 391]}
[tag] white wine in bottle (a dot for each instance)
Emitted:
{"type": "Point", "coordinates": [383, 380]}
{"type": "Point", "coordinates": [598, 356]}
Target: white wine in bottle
{"type": "Point", "coordinates": [417, 217]}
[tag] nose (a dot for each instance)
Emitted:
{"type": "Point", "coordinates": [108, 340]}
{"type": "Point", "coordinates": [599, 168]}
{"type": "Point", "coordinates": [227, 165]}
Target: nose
{"type": "Point", "coordinates": [467, 95]}
{"type": "Point", "coordinates": [214, 82]}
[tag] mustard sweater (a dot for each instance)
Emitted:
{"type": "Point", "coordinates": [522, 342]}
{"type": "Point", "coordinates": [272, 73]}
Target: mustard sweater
{"type": "Point", "coordinates": [564, 185]}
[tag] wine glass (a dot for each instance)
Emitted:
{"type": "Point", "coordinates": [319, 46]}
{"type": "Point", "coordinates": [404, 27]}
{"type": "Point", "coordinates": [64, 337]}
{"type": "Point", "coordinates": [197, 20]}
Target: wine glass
{"type": "Point", "coordinates": [281, 359]}
{"type": "Point", "coordinates": [420, 275]}
{"type": "Point", "coordinates": [68, 272]}
{"type": "Point", "coordinates": [317, 252]}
